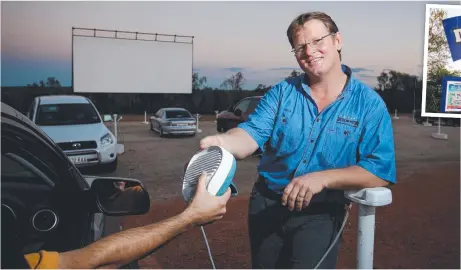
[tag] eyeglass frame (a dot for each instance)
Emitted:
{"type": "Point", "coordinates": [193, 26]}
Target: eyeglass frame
{"type": "Point", "coordinates": [314, 46]}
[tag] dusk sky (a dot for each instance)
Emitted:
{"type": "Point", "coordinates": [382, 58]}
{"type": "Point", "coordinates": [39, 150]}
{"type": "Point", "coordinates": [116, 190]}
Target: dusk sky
{"type": "Point", "coordinates": [229, 36]}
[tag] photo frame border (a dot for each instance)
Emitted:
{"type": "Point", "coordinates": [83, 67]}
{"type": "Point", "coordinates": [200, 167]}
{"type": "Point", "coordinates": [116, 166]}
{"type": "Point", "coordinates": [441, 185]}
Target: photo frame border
{"type": "Point", "coordinates": [426, 45]}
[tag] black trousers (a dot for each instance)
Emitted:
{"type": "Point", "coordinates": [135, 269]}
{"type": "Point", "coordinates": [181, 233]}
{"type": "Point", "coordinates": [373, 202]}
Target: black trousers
{"type": "Point", "coordinates": [286, 239]}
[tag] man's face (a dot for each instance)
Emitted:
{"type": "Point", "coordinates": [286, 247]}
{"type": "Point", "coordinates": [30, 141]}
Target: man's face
{"type": "Point", "coordinates": [321, 52]}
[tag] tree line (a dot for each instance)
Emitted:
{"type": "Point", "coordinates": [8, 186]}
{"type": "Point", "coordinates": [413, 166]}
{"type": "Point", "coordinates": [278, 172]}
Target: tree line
{"type": "Point", "coordinates": [204, 99]}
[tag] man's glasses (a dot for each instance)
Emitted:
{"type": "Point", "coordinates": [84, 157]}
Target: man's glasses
{"type": "Point", "coordinates": [315, 44]}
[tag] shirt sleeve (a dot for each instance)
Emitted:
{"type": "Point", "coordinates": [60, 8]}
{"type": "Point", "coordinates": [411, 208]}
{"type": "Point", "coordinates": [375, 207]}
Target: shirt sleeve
{"type": "Point", "coordinates": [43, 260]}
{"type": "Point", "coordinates": [376, 148]}
{"type": "Point", "coordinates": [261, 122]}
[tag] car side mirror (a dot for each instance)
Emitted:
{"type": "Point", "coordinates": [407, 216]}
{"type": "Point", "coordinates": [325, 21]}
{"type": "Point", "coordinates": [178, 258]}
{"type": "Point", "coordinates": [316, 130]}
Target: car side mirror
{"type": "Point", "coordinates": [107, 118]}
{"type": "Point", "coordinates": [238, 112]}
{"type": "Point", "coordinates": [120, 196]}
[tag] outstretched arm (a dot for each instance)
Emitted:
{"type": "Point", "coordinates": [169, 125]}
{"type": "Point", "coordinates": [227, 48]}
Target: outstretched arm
{"type": "Point", "coordinates": [252, 134]}
{"type": "Point", "coordinates": [124, 247]}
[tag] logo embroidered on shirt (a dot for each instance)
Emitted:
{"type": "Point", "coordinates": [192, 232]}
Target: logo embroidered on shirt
{"type": "Point", "coordinates": [350, 121]}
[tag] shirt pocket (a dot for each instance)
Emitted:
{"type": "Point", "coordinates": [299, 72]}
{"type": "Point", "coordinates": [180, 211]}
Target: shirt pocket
{"type": "Point", "coordinates": [340, 145]}
{"type": "Point", "coordinates": [287, 136]}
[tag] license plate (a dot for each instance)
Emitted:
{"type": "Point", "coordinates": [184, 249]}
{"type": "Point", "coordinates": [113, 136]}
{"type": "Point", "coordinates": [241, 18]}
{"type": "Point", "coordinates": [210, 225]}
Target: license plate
{"type": "Point", "coordinates": [77, 160]}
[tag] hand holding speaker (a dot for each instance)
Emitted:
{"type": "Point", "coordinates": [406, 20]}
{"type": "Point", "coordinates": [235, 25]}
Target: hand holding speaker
{"type": "Point", "coordinates": [205, 207]}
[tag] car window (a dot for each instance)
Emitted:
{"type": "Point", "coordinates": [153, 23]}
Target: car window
{"type": "Point", "coordinates": [177, 114]}
{"type": "Point", "coordinates": [66, 114]}
{"type": "Point", "coordinates": [253, 105]}
{"type": "Point", "coordinates": [243, 105]}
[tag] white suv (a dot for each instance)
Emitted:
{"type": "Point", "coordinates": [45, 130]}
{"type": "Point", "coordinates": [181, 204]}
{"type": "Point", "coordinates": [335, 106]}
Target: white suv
{"type": "Point", "coordinates": [75, 125]}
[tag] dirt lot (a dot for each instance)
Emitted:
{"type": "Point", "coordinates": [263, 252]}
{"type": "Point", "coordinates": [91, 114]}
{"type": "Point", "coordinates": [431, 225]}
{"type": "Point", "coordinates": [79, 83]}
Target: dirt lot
{"type": "Point", "coordinates": [420, 229]}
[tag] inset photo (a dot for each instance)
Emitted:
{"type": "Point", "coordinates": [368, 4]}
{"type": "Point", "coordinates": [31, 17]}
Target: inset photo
{"type": "Point", "coordinates": [442, 62]}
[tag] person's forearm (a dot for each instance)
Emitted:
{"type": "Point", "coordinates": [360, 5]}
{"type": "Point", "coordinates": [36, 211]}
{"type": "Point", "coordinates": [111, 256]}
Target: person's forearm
{"type": "Point", "coordinates": [126, 246]}
{"type": "Point", "coordinates": [239, 143]}
{"type": "Point", "coordinates": [353, 177]}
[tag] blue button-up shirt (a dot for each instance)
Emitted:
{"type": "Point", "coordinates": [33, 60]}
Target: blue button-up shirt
{"type": "Point", "coordinates": [355, 129]}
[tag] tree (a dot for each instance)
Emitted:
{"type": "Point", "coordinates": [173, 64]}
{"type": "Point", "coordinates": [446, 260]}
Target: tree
{"type": "Point", "coordinates": [235, 82]}
{"type": "Point", "coordinates": [198, 82]}
{"type": "Point", "coordinates": [293, 74]}
{"type": "Point", "coordinates": [50, 82]}
{"type": "Point", "coordinates": [396, 83]}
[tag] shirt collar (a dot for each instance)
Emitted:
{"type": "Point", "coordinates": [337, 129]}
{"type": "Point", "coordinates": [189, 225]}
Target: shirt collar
{"type": "Point", "coordinates": [302, 83]}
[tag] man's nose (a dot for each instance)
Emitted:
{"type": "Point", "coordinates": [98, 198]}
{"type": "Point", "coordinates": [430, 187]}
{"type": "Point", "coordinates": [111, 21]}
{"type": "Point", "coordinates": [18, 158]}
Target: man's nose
{"type": "Point", "coordinates": [309, 50]}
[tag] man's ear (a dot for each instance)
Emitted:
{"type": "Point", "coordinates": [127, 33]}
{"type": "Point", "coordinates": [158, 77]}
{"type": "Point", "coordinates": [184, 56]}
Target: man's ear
{"type": "Point", "coordinates": [338, 41]}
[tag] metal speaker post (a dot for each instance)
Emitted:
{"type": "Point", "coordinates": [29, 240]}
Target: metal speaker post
{"type": "Point", "coordinates": [197, 125]}
{"type": "Point", "coordinates": [367, 199]}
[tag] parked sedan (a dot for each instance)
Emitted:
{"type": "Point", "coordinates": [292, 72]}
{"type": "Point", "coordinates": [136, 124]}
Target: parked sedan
{"type": "Point", "coordinates": [174, 121]}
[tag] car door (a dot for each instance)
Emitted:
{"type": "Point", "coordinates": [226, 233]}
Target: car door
{"type": "Point", "coordinates": [47, 181]}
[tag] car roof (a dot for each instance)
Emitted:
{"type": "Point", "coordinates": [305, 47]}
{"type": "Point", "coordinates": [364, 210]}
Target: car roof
{"type": "Point", "coordinates": [253, 97]}
{"type": "Point", "coordinates": [173, 109]}
{"type": "Point", "coordinates": [63, 99]}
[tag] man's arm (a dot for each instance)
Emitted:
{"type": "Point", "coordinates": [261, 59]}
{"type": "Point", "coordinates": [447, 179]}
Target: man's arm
{"type": "Point", "coordinates": [237, 141]}
{"type": "Point", "coordinates": [124, 247]}
{"type": "Point", "coordinates": [375, 167]}
{"type": "Point", "coordinates": [245, 139]}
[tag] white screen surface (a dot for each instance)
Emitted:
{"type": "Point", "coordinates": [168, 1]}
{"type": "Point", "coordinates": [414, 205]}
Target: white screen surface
{"type": "Point", "coordinates": [109, 65]}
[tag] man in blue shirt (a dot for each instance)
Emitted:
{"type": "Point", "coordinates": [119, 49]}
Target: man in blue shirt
{"type": "Point", "coordinates": [322, 132]}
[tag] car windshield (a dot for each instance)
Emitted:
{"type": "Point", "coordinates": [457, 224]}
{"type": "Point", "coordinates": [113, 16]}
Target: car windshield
{"type": "Point", "coordinates": [66, 114]}
{"type": "Point", "coordinates": [177, 114]}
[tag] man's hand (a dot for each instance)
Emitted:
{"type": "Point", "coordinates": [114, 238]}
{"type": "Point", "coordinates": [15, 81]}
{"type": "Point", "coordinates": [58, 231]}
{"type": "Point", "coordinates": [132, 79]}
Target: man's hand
{"type": "Point", "coordinates": [301, 189]}
{"type": "Point", "coordinates": [208, 141]}
{"type": "Point", "coordinates": [205, 207]}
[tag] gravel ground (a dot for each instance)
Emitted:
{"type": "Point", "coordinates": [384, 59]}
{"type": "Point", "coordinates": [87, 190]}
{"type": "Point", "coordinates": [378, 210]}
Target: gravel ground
{"type": "Point", "coordinates": [420, 229]}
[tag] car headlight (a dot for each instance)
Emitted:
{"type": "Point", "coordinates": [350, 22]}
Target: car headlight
{"type": "Point", "coordinates": [106, 140]}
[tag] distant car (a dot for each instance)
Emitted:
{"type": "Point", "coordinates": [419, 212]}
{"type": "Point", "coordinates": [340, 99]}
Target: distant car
{"type": "Point", "coordinates": [74, 124]}
{"type": "Point", "coordinates": [236, 114]}
{"type": "Point", "coordinates": [173, 121]}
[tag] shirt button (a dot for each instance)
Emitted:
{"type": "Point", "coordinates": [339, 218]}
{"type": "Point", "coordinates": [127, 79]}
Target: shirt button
{"type": "Point", "coordinates": [318, 119]}
{"type": "Point", "coordinates": [304, 161]}
{"type": "Point", "coordinates": [312, 141]}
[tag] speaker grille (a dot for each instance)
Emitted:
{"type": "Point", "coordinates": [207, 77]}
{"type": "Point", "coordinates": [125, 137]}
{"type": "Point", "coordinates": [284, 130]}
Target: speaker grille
{"type": "Point", "coordinates": [208, 161]}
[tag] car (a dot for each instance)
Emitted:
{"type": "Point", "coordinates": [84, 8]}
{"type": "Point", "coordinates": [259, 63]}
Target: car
{"type": "Point", "coordinates": [47, 204]}
{"type": "Point", "coordinates": [173, 121]}
{"type": "Point", "coordinates": [236, 114]}
{"type": "Point", "coordinates": [75, 124]}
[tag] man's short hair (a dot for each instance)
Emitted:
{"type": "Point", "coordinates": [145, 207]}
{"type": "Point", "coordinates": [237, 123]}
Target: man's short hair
{"type": "Point", "coordinates": [300, 20]}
